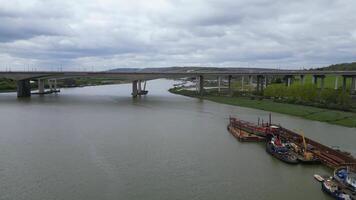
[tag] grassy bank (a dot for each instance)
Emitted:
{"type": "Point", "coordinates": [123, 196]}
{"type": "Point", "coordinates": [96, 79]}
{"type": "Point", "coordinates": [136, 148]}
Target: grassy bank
{"type": "Point", "coordinates": [312, 113]}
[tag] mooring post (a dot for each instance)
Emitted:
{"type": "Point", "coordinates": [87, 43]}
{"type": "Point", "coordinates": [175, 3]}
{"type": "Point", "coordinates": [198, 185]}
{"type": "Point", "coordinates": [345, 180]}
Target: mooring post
{"type": "Point", "coordinates": [23, 88]}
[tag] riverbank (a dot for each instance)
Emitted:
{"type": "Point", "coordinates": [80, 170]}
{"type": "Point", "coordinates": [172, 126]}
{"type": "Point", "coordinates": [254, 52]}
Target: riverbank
{"type": "Point", "coordinates": [342, 118]}
{"type": "Point", "coordinates": [7, 85]}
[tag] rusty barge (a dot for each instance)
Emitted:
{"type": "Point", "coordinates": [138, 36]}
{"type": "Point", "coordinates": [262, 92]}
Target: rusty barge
{"type": "Point", "coordinates": [247, 131]}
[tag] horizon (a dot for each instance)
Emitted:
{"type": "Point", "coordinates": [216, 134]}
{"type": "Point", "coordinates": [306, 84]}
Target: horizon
{"type": "Point", "coordinates": [103, 35]}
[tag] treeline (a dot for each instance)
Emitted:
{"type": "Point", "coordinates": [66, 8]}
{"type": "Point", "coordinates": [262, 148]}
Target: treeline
{"type": "Point", "coordinates": [340, 67]}
{"type": "Point", "coordinates": [309, 94]}
{"type": "Point", "coordinates": [7, 85]}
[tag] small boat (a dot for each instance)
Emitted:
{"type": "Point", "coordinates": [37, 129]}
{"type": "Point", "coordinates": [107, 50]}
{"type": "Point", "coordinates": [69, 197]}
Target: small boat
{"type": "Point", "coordinates": [331, 187]}
{"type": "Point", "coordinates": [346, 177]}
{"type": "Point", "coordinates": [318, 177]}
{"type": "Point", "coordinates": [281, 151]}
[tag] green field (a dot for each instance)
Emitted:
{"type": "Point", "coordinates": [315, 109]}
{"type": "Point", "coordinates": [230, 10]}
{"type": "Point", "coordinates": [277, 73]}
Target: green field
{"type": "Point", "coordinates": [308, 112]}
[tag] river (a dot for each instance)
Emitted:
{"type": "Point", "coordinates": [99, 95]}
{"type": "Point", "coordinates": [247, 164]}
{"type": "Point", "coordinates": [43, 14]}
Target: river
{"type": "Point", "coordinates": [98, 143]}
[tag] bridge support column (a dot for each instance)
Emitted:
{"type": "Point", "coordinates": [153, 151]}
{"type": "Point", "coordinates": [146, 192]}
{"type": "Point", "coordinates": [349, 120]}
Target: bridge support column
{"type": "Point", "coordinates": [315, 80]}
{"type": "Point", "coordinates": [250, 82]}
{"type": "Point", "coordinates": [288, 81]}
{"type": "Point", "coordinates": [134, 89]}
{"type": "Point", "coordinates": [322, 82]}
{"type": "Point", "coordinates": [219, 84]}
{"type": "Point", "coordinates": [302, 79]}
{"type": "Point", "coordinates": [262, 83]}
{"type": "Point", "coordinates": [336, 82]}
{"type": "Point", "coordinates": [258, 84]}
{"type": "Point", "coordinates": [353, 85]}
{"type": "Point", "coordinates": [201, 85]}
{"type": "Point", "coordinates": [242, 83]}
{"type": "Point", "coordinates": [139, 89]}
{"type": "Point", "coordinates": [23, 88]}
{"type": "Point", "coordinates": [344, 84]}
{"type": "Point", "coordinates": [229, 84]}
{"type": "Point", "coordinates": [41, 88]}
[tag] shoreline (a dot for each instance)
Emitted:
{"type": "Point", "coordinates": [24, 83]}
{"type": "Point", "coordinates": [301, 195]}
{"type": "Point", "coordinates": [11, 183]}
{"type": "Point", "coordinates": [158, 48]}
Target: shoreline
{"type": "Point", "coordinates": [336, 117]}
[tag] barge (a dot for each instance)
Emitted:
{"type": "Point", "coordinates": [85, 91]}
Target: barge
{"type": "Point", "coordinates": [307, 150]}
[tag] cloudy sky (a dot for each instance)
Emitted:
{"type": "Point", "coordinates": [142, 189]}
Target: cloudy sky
{"type": "Point", "coordinates": [104, 34]}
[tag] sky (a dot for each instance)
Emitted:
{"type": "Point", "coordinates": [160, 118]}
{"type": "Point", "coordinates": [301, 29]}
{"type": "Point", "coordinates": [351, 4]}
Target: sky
{"type": "Point", "coordinates": [105, 34]}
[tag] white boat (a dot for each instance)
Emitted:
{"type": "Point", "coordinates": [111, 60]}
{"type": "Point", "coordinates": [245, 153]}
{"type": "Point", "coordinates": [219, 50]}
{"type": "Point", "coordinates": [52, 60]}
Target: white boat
{"type": "Point", "coordinates": [318, 177]}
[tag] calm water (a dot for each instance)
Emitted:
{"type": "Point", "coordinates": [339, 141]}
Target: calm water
{"type": "Point", "coordinates": [98, 143]}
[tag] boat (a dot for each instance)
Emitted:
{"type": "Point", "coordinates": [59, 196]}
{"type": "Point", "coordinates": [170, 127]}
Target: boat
{"type": "Point", "coordinates": [281, 151]}
{"type": "Point", "coordinates": [318, 177]}
{"type": "Point", "coordinates": [244, 136]}
{"type": "Point", "coordinates": [346, 177]}
{"type": "Point", "coordinates": [331, 187]}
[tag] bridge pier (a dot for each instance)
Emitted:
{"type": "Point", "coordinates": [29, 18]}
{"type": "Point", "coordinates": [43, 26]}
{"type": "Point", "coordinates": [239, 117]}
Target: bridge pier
{"type": "Point", "coordinates": [260, 84]}
{"type": "Point", "coordinates": [322, 82]}
{"type": "Point", "coordinates": [250, 82]}
{"type": "Point", "coordinates": [344, 84]}
{"type": "Point", "coordinates": [23, 88]}
{"type": "Point", "coordinates": [41, 86]}
{"type": "Point", "coordinates": [219, 84]}
{"type": "Point", "coordinates": [353, 85]}
{"type": "Point", "coordinates": [288, 80]}
{"type": "Point", "coordinates": [315, 80]}
{"type": "Point", "coordinates": [200, 83]}
{"type": "Point", "coordinates": [242, 83]}
{"type": "Point", "coordinates": [229, 84]}
{"type": "Point", "coordinates": [336, 82]}
{"type": "Point", "coordinates": [134, 89]}
{"type": "Point", "coordinates": [302, 79]}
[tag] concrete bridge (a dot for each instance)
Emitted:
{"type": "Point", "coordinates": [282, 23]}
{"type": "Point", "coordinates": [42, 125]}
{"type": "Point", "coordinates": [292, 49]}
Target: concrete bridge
{"type": "Point", "coordinates": [260, 77]}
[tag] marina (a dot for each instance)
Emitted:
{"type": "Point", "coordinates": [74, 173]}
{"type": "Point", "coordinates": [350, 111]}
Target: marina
{"type": "Point", "coordinates": [294, 148]}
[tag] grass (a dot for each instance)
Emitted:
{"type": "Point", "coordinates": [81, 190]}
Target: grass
{"type": "Point", "coordinates": [307, 112]}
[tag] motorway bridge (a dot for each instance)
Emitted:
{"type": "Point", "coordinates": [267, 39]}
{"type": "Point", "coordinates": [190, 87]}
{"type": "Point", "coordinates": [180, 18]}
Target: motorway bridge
{"type": "Point", "coordinates": [260, 77]}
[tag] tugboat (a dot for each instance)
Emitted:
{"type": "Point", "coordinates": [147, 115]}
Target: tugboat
{"type": "Point", "coordinates": [279, 150]}
{"type": "Point", "coordinates": [346, 177]}
{"type": "Point", "coordinates": [331, 187]}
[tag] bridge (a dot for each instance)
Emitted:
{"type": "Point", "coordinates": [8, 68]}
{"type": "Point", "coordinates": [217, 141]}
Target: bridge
{"type": "Point", "coordinates": [260, 77]}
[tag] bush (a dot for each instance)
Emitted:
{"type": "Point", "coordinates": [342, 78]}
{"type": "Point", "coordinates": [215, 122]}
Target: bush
{"type": "Point", "coordinates": [309, 94]}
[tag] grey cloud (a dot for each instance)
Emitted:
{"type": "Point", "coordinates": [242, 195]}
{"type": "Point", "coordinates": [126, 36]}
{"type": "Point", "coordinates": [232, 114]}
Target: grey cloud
{"type": "Point", "coordinates": [259, 33]}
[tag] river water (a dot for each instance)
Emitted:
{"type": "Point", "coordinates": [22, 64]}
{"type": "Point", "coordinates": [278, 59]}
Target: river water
{"type": "Point", "coordinates": [98, 143]}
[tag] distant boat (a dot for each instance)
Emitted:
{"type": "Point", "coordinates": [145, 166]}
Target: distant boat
{"type": "Point", "coordinates": [331, 187]}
